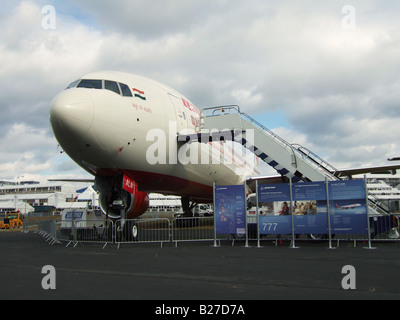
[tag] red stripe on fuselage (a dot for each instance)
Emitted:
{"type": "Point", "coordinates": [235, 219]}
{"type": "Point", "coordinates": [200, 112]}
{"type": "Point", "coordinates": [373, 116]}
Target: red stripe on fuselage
{"type": "Point", "coordinates": [160, 183]}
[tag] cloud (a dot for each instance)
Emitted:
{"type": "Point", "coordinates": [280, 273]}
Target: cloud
{"type": "Point", "coordinates": [338, 88]}
{"type": "Point", "coordinates": [36, 65]}
{"type": "Point", "coordinates": [25, 150]}
{"type": "Point", "coordinates": [152, 20]}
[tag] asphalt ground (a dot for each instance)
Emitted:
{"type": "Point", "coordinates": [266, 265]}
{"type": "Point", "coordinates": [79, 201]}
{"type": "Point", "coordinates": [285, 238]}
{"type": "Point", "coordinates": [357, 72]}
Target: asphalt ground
{"type": "Point", "coordinates": [196, 271]}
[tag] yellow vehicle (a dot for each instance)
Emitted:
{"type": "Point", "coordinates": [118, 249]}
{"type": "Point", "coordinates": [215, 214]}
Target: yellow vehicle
{"type": "Point", "coordinates": [11, 220]}
{"type": "Point", "coordinates": [2, 222]}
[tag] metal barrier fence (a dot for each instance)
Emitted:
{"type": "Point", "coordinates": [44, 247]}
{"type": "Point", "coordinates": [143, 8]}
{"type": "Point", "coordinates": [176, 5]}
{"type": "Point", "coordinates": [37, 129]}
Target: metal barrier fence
{"type": "Point", "coordinates": [193, 229]}
{"type": "Point", "coordinates": [163, 230]}
{"type": "Point", "coordinates": [45, 228]}
{"type": "Point", "coordinates": [142, 231]}
{"type": "Point", "coordinates": [101, 231]}
{"type": "Point", "coordinates": [73, 232]}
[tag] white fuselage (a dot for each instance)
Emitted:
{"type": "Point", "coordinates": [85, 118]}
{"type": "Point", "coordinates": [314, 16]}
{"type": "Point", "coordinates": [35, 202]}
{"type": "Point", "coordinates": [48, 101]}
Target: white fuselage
{"type": "Point", "coordinates": [135, 133]}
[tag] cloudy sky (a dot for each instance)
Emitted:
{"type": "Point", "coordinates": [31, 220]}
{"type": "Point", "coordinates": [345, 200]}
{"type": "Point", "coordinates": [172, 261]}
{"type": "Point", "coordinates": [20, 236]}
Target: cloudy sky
{"type": "Point", "coordinates": [325, 74]}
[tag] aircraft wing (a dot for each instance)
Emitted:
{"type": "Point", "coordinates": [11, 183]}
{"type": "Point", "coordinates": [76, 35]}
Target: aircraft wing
{"type": "Point", "coordinates": [73, 180]}
{"type": "Point", "coordinates": [355, 171]}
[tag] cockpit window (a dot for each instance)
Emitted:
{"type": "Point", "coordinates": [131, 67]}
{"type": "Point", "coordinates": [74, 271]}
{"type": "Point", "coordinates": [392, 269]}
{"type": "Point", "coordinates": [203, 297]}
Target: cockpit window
{"type": "Point", "coordinates": [126, 92]}
{"type": "Point", "coordinates": [73, 84]}
{"type": "Point", "coordinates": [111, 85]}
{"type": "Point", "coordinates": [117, 87]}
{"type": "Point", "coordinates": [91, 84]}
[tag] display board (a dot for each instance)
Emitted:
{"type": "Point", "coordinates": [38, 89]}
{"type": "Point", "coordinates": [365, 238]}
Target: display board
{"type": "Point", "coordinates": [310, 208]}
{"type": "Point", "coordinates": [230, 209]}
{"type": "Point", "coordinates": [274, 202]}
{"type": "Point", "coordinates": [348, 208]}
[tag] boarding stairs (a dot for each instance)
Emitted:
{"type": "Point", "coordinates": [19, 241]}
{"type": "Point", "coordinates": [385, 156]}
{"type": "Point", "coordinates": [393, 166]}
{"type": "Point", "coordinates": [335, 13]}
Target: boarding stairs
{"type": "Point", "coordinates": [290, 160]}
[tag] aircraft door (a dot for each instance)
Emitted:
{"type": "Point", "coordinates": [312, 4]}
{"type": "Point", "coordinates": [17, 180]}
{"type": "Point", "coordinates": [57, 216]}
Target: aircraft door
{"type": "Point", "coordinates": [180, 112]}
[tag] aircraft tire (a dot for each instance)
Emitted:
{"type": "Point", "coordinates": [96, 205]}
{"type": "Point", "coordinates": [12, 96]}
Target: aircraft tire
{"type": "Point", "coordinates": [131, 231]}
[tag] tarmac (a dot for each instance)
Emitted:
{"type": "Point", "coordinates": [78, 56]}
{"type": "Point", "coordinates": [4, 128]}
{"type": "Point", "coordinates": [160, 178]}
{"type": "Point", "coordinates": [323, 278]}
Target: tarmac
{"type": "Point", "coordinates": [196, 271]}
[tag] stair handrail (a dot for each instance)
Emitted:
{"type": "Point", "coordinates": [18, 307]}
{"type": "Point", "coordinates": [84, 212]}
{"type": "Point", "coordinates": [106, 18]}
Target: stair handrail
{"type": "Point", "coordinates": [223, 108]}
{"type": "Point", "coordinates": [264, 128]}
{"type": "Point", "coordinates": [252, 120]}
{"type": "Point", "coordinates": [314, 158]}
{"type": "Point", "coordinates": [200, 125]}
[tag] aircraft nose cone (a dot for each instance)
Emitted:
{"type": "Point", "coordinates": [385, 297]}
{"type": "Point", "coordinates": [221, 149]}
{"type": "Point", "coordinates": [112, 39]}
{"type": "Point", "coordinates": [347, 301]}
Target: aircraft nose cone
{"type": "Point", "coordinates": [71, 114]}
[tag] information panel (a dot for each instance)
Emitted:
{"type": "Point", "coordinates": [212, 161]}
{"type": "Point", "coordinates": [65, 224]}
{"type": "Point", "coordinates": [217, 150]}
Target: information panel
{"type": "Point", "coordinates": [274, 202]}
{"type": "Point", "coordinates": [310, 208]}
{"type": "Point", "coordinates": [230, 209]}
{"type": "Point", "coordinates": [348, 207]}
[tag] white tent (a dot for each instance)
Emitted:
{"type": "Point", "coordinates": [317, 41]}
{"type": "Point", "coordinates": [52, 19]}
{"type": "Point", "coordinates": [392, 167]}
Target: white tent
{"type": "Point", "coordinates": [22, 207]}
{"type": "Point", "coordinates": [89, 194]}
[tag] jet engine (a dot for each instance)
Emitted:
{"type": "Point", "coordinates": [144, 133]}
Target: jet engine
{"type": "Point", "coordinates": [116, 202]}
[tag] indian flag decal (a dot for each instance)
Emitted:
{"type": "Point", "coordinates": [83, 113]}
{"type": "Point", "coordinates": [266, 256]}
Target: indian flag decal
{"type": "Point", "coordinates": [139, 94]}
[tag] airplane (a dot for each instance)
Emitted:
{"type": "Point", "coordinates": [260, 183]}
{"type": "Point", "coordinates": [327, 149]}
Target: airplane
{"type": "Point", "coordinates": [349, 206]}
{"type": "Point", "coordinates": [125, 130]}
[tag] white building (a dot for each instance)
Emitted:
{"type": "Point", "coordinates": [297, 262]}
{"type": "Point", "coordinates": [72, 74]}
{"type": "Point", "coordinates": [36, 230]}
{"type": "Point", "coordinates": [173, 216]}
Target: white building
{"type": "Point", "coordinates": [160, 202]}
{"type": "Point", "coordinates": [28, 196]}
{"type": "Point", "coordinates": [32, 196]}
{"type": "Point", "coordinates": [385, 189]}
